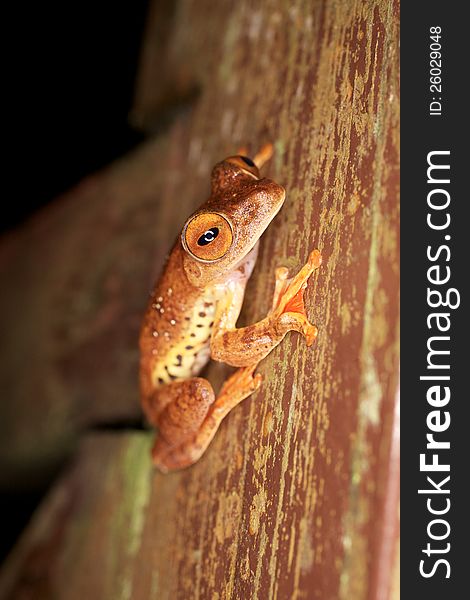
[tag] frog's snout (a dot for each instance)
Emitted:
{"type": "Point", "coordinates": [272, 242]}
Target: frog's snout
{"type": "Point", "coordinates": [274, 196]}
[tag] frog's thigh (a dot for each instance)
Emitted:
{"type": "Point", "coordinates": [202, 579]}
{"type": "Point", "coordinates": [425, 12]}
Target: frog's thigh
{"type": "Point", "coordinates": [156, 401]}
{"type": "Point", "coordinates": [238, 387]}
{"type": "Point", "coordinates": [185, 407]}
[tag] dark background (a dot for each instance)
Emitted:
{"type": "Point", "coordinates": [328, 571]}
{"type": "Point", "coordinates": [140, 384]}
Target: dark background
{"type": "Point", "coordinates": [70, 74]}
{"type": "Point", "coordinates": [71, 68]}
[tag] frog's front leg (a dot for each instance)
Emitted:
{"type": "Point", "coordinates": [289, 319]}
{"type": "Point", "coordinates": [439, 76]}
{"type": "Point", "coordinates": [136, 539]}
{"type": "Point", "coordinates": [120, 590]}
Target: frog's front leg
{"type": "Point", "coordinates": [249, 345]}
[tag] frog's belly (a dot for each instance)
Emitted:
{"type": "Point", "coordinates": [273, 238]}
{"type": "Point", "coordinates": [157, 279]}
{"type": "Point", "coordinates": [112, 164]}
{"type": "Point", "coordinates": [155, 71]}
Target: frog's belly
{"type": "Point", "coordinates": [187, 356]}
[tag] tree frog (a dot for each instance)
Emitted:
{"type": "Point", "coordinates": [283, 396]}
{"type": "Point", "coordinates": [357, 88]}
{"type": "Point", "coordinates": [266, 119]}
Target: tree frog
{"type": "Point", "coordinates": [193, 311]}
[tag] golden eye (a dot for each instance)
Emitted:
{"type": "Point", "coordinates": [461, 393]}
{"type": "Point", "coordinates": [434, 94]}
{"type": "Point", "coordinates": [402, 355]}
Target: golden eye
{"type": "Point", "coordinates": [207, 236]}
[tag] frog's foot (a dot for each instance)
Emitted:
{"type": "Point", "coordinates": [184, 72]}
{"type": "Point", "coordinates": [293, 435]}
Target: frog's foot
{"type": "Point", "coordinates": [288, 301]}
{"type": "Point", "coordinates": [282, 280]}
{"type": "Point", "coordinates": [261, 157]}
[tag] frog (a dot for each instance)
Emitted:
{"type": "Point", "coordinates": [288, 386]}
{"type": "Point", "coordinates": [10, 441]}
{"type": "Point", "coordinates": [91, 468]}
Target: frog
{"type": "Point", "coordinates": [194, 307]}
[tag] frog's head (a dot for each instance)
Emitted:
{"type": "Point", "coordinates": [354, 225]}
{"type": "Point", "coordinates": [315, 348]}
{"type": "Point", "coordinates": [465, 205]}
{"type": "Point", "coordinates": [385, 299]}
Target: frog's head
{"type": "Point", "coordinates": [224, 230]}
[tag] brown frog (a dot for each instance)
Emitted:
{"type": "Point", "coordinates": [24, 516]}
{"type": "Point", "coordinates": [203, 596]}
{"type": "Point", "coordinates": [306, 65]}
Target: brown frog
{"type": "Point", "coordinates": [193, 311]}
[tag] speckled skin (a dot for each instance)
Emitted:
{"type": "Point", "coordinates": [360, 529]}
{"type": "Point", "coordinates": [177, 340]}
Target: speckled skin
{"type": "Point", "coordinates": [192, 314]}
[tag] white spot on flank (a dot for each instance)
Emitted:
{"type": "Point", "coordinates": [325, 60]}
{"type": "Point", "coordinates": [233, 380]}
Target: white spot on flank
{"type": "Point", "coordinates": [155, 333]}
{"type": "Point", "coordinates": [173, 322]}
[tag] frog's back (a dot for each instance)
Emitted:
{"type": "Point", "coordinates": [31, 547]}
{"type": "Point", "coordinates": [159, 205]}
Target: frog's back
{"type": "Point", "coordinates": [175, 337]}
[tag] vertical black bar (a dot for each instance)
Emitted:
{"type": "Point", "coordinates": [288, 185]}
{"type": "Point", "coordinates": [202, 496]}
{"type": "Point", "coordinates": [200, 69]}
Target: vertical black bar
{"type": "Point", "coordinates": [434, 119]}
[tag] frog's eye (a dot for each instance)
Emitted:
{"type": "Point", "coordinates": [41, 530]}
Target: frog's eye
{"type": "Point", "coordinates": [245, 163]}
{"type": "Point", "coordinates": [207, 236]}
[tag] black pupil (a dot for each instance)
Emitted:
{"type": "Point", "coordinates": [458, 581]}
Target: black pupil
{"type": "Point", "coordinates": [208, 237]}
{"type": "Point", "coordinates": [248, 161]}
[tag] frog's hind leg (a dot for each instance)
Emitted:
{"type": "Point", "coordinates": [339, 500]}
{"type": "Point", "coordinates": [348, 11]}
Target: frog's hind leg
{"type": "Point", "coordinates": [238, 387]}
{"type": "Point", "coordinates": [185, 406]}
{"type": "Point", "coordinates": [155, 400]}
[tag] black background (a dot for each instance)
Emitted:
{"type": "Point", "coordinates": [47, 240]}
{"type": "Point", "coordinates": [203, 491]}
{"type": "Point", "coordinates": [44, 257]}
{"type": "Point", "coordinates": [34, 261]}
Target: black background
{"type": "Point", "coordinates": [70, 71]}
{"type": "Point", "coordinates": [421, 134]}
{"type": "Point", "coordinates": [68, 85]}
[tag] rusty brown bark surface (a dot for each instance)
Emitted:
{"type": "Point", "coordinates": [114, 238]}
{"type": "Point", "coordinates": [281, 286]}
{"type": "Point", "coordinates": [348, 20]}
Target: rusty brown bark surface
{"type": "Point", "coordinates": [297, 495]}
